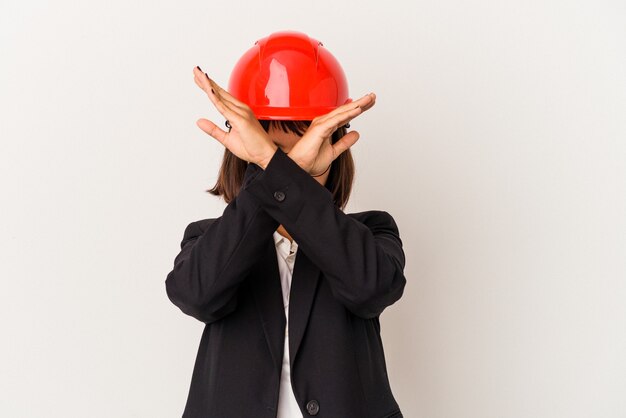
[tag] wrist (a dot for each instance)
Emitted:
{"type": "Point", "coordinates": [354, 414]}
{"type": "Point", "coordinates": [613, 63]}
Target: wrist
{"type": "Point", "coordinates": [296, 160]}
{"type": "Point", "coordinates": [264, 161]}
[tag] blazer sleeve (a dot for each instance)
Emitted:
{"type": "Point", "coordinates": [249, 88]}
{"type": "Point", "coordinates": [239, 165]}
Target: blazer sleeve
{"type": "Point", "coordinates": [363, 262]}
{"type": "Point", "coordinates": [216, 255]}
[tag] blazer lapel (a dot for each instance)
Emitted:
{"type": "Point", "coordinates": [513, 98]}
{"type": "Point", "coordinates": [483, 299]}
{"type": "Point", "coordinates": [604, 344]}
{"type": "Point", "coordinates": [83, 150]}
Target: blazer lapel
{"type": "Point", "coordinates": [303, 287]}
{"type": "Point", "coordinates": [269, 300]}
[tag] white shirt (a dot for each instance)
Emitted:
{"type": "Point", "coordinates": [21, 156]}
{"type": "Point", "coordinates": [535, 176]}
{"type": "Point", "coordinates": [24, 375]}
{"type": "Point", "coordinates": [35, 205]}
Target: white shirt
{"type": "Point", "coordinates": [286, 255]}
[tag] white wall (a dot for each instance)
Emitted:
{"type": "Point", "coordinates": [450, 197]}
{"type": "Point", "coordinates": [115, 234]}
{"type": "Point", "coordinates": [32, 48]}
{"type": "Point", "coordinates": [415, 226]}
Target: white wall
{"type": "Point", "coordinates": [497, 142]}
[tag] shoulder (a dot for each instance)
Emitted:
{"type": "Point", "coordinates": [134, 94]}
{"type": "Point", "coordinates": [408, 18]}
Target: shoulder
{"type": "Point", "coordinates": [196, 228]}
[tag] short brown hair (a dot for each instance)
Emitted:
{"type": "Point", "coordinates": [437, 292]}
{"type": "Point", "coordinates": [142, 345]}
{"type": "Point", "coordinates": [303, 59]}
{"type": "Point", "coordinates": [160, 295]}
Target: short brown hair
{"type": "Point", "coordinates": [339, 181]}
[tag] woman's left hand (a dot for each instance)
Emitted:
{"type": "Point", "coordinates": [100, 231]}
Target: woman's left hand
{"type": "Point", "coordinates": [314, 152]}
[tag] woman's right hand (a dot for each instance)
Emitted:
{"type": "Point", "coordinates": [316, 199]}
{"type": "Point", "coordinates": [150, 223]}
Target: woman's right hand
{"type": "Point", "coordinates": [247, 139]}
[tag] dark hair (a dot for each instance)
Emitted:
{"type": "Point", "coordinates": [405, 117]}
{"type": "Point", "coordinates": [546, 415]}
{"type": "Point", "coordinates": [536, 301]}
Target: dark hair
{"type": "Point", "coordinates": [339, 181]}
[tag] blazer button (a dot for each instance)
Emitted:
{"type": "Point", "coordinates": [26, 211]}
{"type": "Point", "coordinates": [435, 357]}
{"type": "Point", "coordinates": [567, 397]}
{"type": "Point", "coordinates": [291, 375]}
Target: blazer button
{"type": "Point", "coordinates": [312, 407]}
{"type": "Point", "coordinates": [280, 196]}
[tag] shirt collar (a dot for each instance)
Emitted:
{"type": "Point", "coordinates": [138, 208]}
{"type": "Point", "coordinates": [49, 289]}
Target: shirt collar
{"type": "Point", "coordinates": [279, 240]}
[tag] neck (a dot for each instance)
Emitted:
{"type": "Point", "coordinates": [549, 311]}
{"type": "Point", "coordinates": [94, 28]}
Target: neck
{"type": "Point", "coordinates": [282, 231]}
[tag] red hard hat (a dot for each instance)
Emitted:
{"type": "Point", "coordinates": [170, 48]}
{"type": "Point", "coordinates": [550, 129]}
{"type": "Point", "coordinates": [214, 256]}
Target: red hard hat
{"type": "Point", "coordinates": [289, 76]}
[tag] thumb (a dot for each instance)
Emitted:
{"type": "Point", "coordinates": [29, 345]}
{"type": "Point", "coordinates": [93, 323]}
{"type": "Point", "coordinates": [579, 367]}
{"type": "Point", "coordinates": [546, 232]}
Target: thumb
{"type": "Point", "coordinates": [211, 129]}
{"type": "Point", "coordinates": [345, 142]}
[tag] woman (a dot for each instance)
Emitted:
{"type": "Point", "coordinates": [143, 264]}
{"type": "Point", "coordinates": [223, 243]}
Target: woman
{"type": "Point", "coordinates": [290, 287]}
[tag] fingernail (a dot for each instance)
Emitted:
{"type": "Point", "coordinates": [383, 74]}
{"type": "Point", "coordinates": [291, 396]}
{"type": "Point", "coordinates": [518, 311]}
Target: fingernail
{"type": "Point", "coordinates": [198, 67]}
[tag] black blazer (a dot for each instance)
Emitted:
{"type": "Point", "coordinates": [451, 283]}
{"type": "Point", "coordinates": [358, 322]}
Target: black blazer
{"type": "Point", "coordinates": [348, 269]}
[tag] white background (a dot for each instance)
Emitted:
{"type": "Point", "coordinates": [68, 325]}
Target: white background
{"type": "Point", "coordinates": [497, 143]}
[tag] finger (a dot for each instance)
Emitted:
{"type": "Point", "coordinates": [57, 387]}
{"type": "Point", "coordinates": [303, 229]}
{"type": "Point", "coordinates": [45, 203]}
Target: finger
{"type": "Point", "coordinates": [332, 123]}
{"type": "Point", "coordinates": [208, 86]}
{"type": "Point", "coordinates": [345, 142]}
{"type": "Point", "coordinates": [222, 93]}
{"type": "Point", "coordinates": [227, 109]}
{"type": "Point", "coordinates": [365, 102]}
{"type": "Point", "coordinates": [226, 95]}
{"type": "Point", "coordinates": [212, 129]}
{"type": "Point", "coordinates": [362, 102]}
{"type": "Point", "coordinates": [370, 104]}
{"type": "Point", "coordinates": [202, 80]}
{"type": "Point", "coordinates": [348, 115]}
